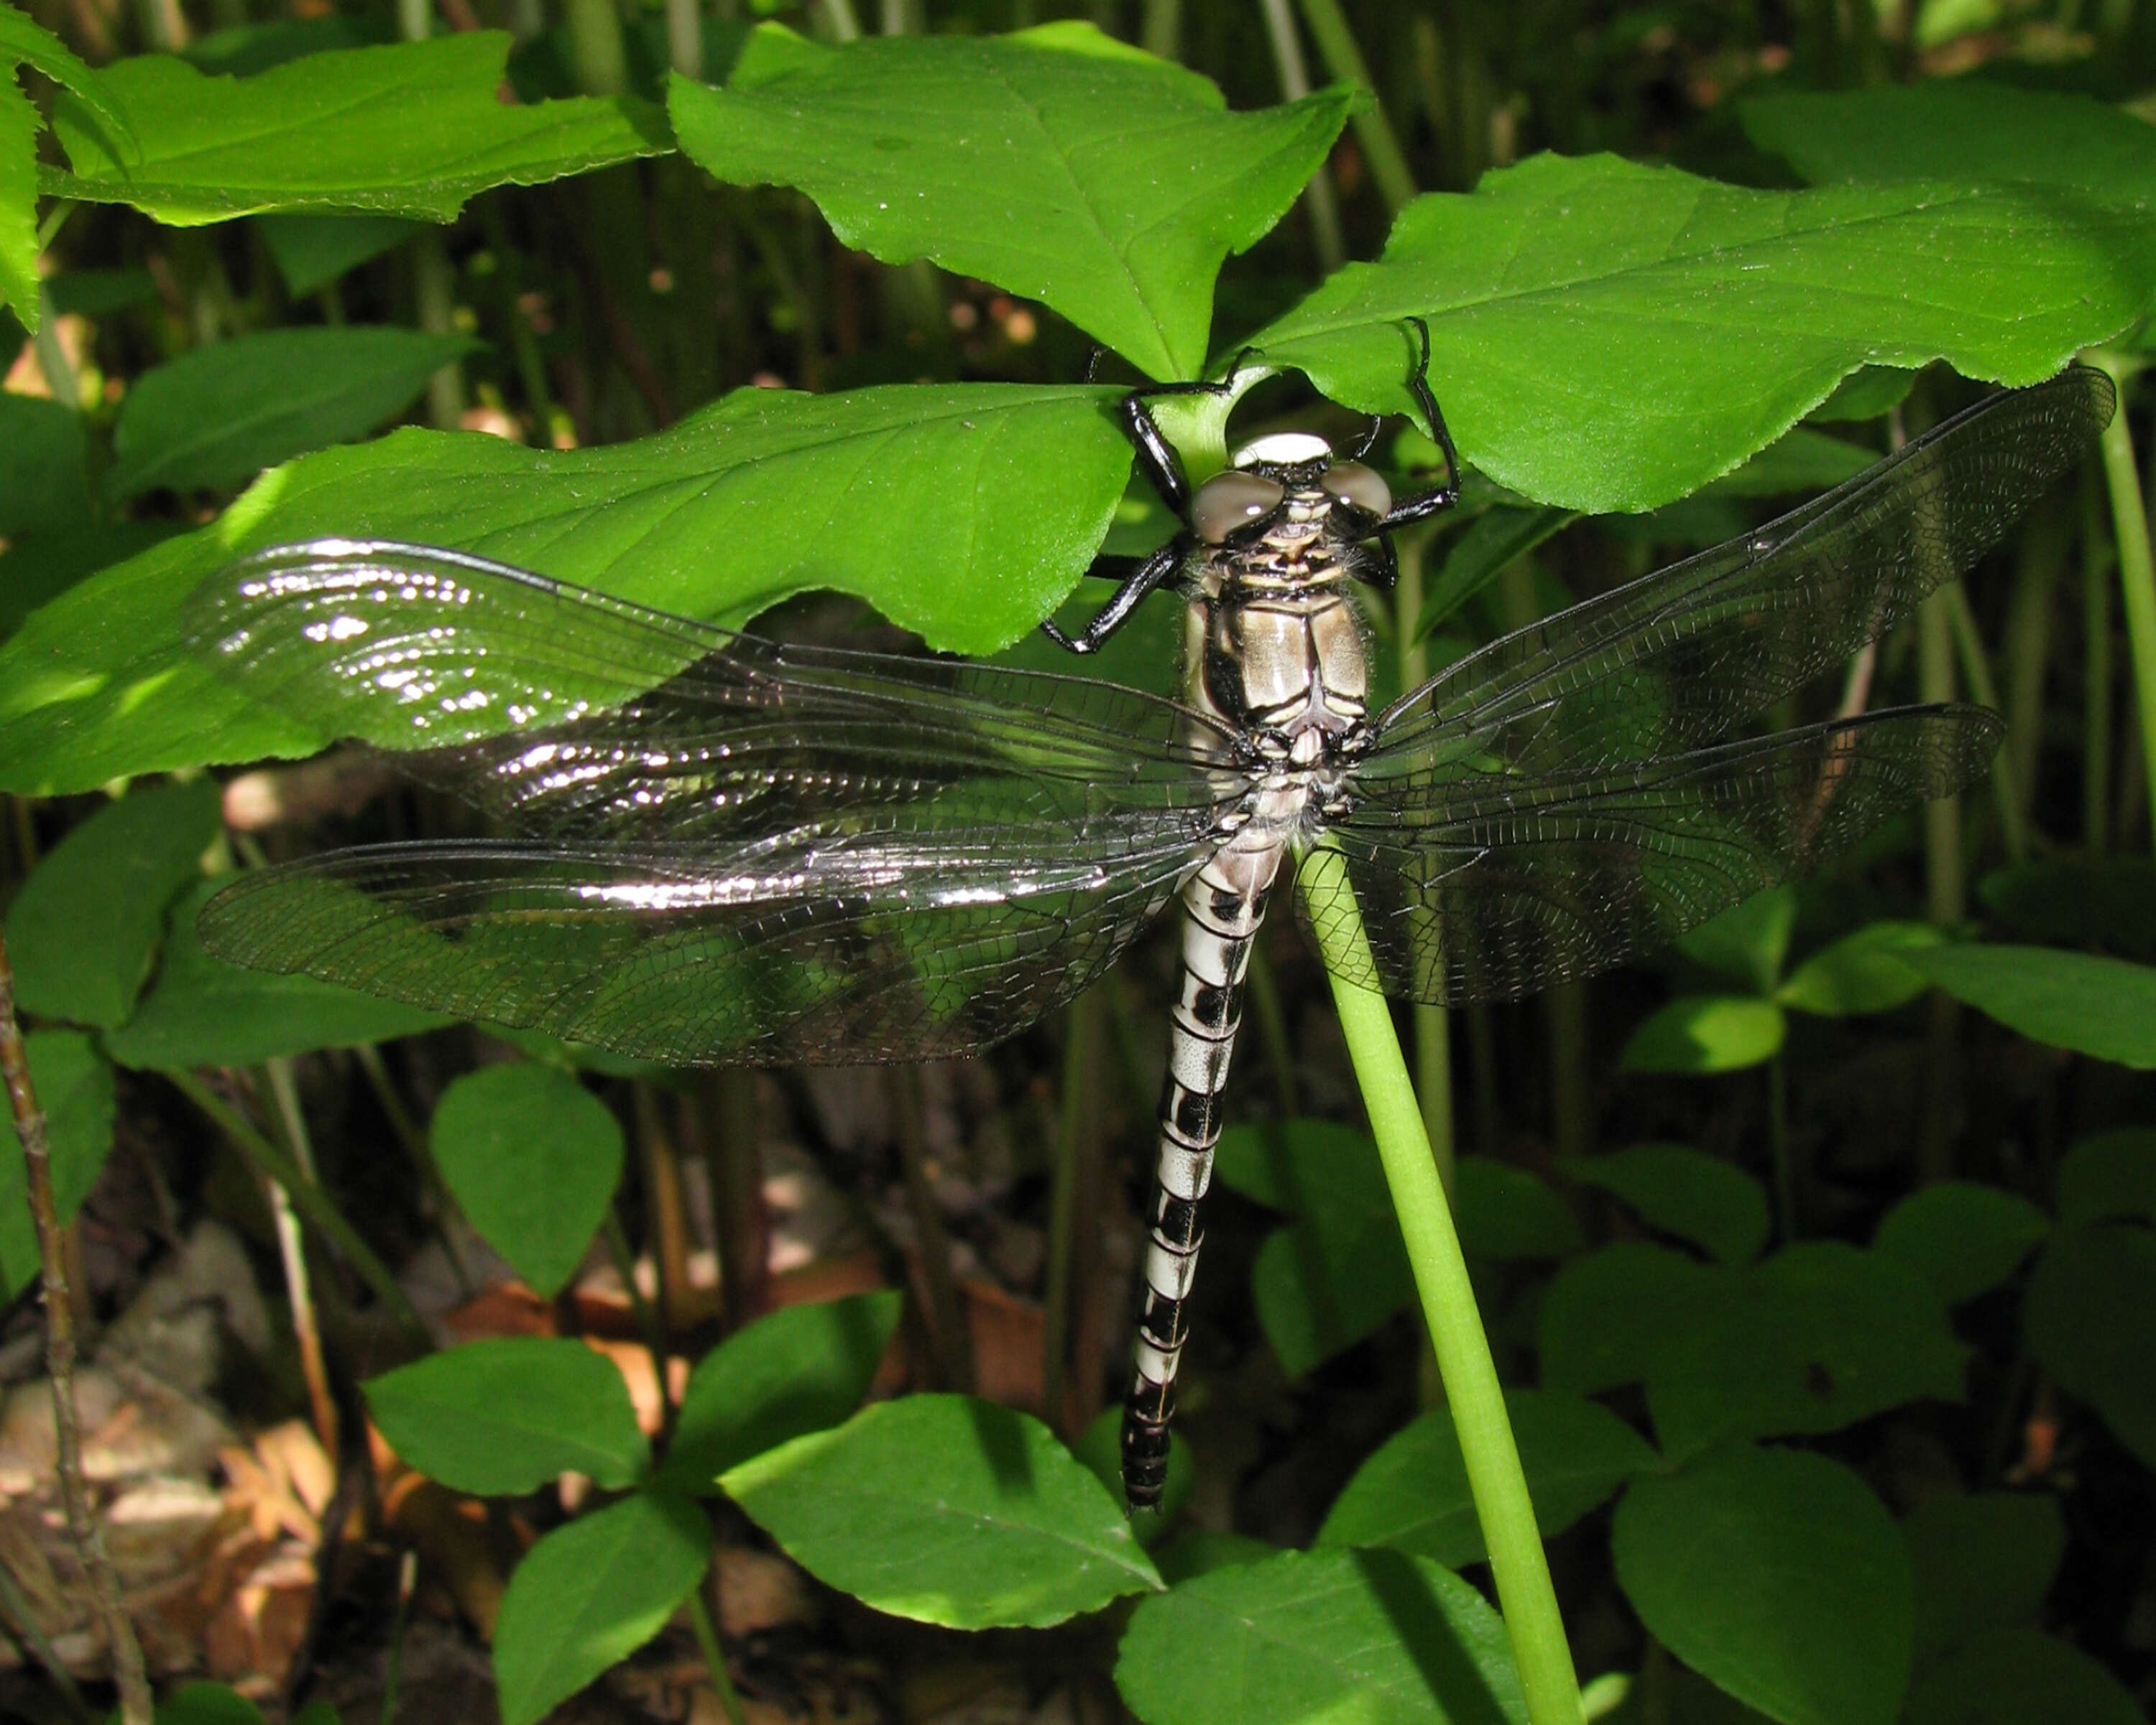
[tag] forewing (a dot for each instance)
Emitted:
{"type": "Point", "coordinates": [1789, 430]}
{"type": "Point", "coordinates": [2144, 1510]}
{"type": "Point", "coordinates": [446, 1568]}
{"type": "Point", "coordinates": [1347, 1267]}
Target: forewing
{"type": "Point", "coordinates": [1488, 885]}
{"type": "Point", "coordinates": [1676, 659]}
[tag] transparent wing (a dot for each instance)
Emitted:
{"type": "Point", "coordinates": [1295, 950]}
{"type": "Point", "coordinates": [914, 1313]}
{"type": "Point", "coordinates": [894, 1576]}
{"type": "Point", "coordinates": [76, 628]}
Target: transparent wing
{"type": "Point", "coordinates": [1674, 660]}
{"type": "Point", "coordinates": [1491, 885]}
{"type": "Point", "coordinates": [737, 851]}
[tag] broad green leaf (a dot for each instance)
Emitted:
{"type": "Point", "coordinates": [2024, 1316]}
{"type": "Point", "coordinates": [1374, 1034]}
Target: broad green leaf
{"type": "Point", "coordinates": [1983, 1564]}
{"type": "Point", "coordinates": [23, 41]}
{"type": "Point", "coordinates": [1777, 1574]}
{"type": "Point", "coordinates": [1606, 1319]}
{"type": "Point", "coordinates": [217, 416]}
{"type": "Point", "coordinates": [41, 567]}
{"type": "Point", "coordinates": [2101, 1007]}
{"type": "Point", "coordinates": [1870, 392]}
{"type": "Point", "coordinates": [1348, 1637]}
{"type": "Point", "coordinates": [590, 1594]}
{"type": "Point", "coordinates": [2109, 1176]}
{"type": "Point", "coordinates": [1861, 972]}
{"type": "Point", "coordinates": [85, 930]}
{"type": "Point", "coordinates": [1962, 1238]}
{"type": "Point", "coordinates": [1568, 301]}
{"type": "Point", "coordinates": [502, 1417]}
{"type": "Point", "coordinates": [1802, 460]}
{"type": "Point", "coordinates": [41, 485]}
{"type": "Point", "coordinates": [310, 252]}
{"type": "Point", "coordinates": [532, 1158]}
{"type": "Point", "coordinates": [202, 1012]}
{"type": "Point", "coordinates": [1503, 1212]}
{"type": "Point", "coordinates": [1706, 1032]}
{"type": "Point", "coordinates": [801, 1369]}
{"type": "Point", "coordinates": [1958, 129]}
{"type": "Point", "coordinates": [1015, 159]}
{"type": "Point", "coordinates": [2098, 903]}
{"type": "Point", "coordinates": [1685, 1192]}
{"type": "Point", "coordinates": [1412, 1495]}
{"type": "Point", "coordinates": [2019, 1677]}
{"type": "Point", "coordinates": [946, 1511]}
{"type": "Point", "coordinates": [208, 1704]}
{"type": "Point", "coordinates": [1003, 492]}
{"type": "Point", "coordinates": [19, 125]}
{"type": "Point", "coordinates": [412, 129]}
{"type": "Point", "coordinates": [2089, 1313]}
{"type": "Point", "coordinates": [1748, 942]}
{"type": "Point", "coordinates": [75, 1088]}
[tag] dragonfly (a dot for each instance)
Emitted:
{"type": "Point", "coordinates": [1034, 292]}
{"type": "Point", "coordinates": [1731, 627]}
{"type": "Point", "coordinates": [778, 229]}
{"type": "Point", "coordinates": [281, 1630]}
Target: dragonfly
{"type": "Point", "coordinates": [722, 849]}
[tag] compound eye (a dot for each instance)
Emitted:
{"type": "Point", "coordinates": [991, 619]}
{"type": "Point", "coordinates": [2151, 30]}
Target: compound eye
{"type": "Point", "coordinates": [1230, 500]}
{"type": "Point", "coordinates": [1359, 486]}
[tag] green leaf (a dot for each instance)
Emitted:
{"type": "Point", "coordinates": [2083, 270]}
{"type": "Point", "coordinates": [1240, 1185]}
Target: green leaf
{"type": "Point", "coordinates": [412, 129]}
{"type": "Point", "coordinates": [2100, 1006]}
{"type": "Point", "coordinates": [1568, 300]}
{"type": "Point", "coordinates": [1861, 972]}
{"type": "Point", "coordinates": [203, 1012]}
{"type": "Point", "coordinates": [1801, 460]}
{"type": "Point", "coordinates": [1605, 1319]}
{"type": "Point", "coordinates": [590, 1594]}
{"type": "Point", "coordinates": [1004, 491]}
{"type": "Point", "coordinates": [1957, 130]}
{"type": "Point", "coordinates": [23, 41]}
{"type": "Point", "coordinates": [532, 1158]}
{"type": "Point", "coordinates": [43, 565]}
{"type": "Point", "coordinates": [100, 293]}
{"type": "Point", "coordinates": [1503, 1212]}
{"type": "Point", "coordinates": [507, 1416]}
{"type": "Point", "coordinates": [1493, 541]}
{"type": "Point", "coordinates": [1706, 1032]}
{"type": "Point", "coordinates": [2090, 1312]}
{"type": "Point", "coordinates": [19, 126]}
{"type": "Point", "coordinates": [217, 416]}
{"type": "Point", "coordinates": [1348, 1637]}
{"type": "Point", "coordinates": [1748, 942]}
{"type": "Point", "coordinates": [1962, 1238]}
{"type": "Point", "coordinates": [2019, 1677]}
{"type": "Point", "coordinates": [2108, 1176]}
{"type": "Point", "coordinates": [800, 1369]}
{"type": "Point", "coordinates": [75, 1088]}
{"type": "Point", "coordinates": [1777, 1574]}
{"type": "Point", "coordinates": [946, 1511]}
{"type": "Point", "coordinates": [310, 252]}
{"type": "Point", "coordinates": [1015, 159]}
{"type": "Point", "coordinates": [206, 1703]}
{"type": "Point", "coordinates": [41, 485]}
{"type": "Point", "coordinates": [1412, 1495]}
{"type": "Point", "coordinates": [2100, 903]}
{"type": "Point", "coordinates": [1983, 1564]}
{"type": "Point", "coordinates": [1685, 1192]}
{"type": "Point", "coordinates": [1870, 392]}
{"type": "Point", "coordinates": [1197, 1553]}
{"type": "Point", "coordinates": [85, 930]}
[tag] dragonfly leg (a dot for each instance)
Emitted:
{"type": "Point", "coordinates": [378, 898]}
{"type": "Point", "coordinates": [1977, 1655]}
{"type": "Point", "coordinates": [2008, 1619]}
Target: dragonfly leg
{"type": "Point", "coordinates": [1112, 616]}
{"type": "Point", "coordinates": [1419, 506]}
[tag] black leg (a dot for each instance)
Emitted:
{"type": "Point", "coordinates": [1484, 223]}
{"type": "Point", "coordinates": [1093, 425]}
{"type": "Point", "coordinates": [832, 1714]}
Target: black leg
{"type": "Point", "coordinates": [1111, 617]}
{"type": "Point", "coordinates": [1421, 505]}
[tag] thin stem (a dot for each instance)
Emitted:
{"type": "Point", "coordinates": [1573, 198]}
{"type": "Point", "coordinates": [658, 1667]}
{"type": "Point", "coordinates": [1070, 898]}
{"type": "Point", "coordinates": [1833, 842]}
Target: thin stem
{"type": "Point", "coordinates": [642, 1310]}
{"type": "Point", "coordinates": [945, 1310]}
{"type": "Point", "coordinates": [2137, 570]}
{"type": "Point", "coordinates": [1317, 197]}
{"type": "Point", "coordinates": [2096, 678]}
{"type": "Point", "coordinates": [2011, 778]}
{"type": "Point", "coordinates": [136, 1705]}
{"type": "Point", "coordinates": [599, 63]}
{"type": "Point", "coordinates": [1082, 1031]}
{"type": "Point", "coordinates": [1495, 1478]}
{"type": "Point", "coordinates": [1343, 60]}
{"type": "Point", "coordinates": [1433, 1026]}
{"type": "Point", "coordinates": [715, 1655]}
{"type": "Point", "coordinates": [407, 1574]}
{"type": "Point", "coordinates": [277, 1074]}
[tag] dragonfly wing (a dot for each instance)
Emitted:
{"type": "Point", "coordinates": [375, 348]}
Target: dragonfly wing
{"type": "Point", "coordinates": [1676, 659]}
{"type": "Point", "coordinates": [814, 946]}
{"type": "Point", "coordinates": [1489, 885]}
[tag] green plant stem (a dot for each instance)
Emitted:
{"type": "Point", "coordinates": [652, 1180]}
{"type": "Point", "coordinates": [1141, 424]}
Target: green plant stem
{"type": "Point", "coordinates": [1499, 1486]}
{"type": "Point", "coordinates": [2137, 570]}
{"type": "Point", "coordinates": [715, 1655]}
{"type": "Point", "coordinates": [1317, 197]}
{"type": "Point", "coordinates": [1080, 1022]}
{"type": "Point", "coordinates": [291, 1251]}
{"type": "Point", "coordinates": [309, 1200]}
{"type": "Point", "coordinates": [598, 61]}
{"type": "Point", "coordinates": [2009, 783]}
{"type": "Point", "coordinates": [1343, 60]}
{"type": "Point", "coordinates": [1433, 1025]}
{"type": "Point", "coordinates": [646, 1314]}
{"type": "Point", "coordinates": [2097, 555]}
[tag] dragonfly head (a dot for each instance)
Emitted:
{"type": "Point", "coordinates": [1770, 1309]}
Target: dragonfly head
{"type": "Point", "coordinates": [1242, 502]}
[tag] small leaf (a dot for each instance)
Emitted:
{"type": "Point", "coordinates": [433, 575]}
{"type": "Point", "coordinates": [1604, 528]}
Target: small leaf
{"type": "Point", "coordinates": [42, 486]}
{"type": "Point", "coordinates": [25, 41]}
{"type": "Point", "coordinates": [1685, 1192]}
{"type": "Point", "coordinates": [2089, 1313]}
{"type": "Point", "coordinates": [2100, 1006]}
{"type": "Point", "coordinates": [1706, 1032]}
{"type": "Point", "coordinates": [1359, 1637]}
{"type": "Point", "coordinates": [1748, 942]}
{"type": "Point", "coordinates": [800, 1369]}
{"type": "Point", "coordinates": [208, 1704]}
{"type": "Point", "coordinates": [1412, 1495]}
{"type": "Point", "coordinates": [1014, 159]}
{"type": "Point", "coordinates": [84, 931]}
{"type": "Point", "coordinates": [20, 123]}
{"type": "Point", "coordinates": [532, 1158]}
{"type": "Point", "coordinates": [1962, 1238]}
{"type": "Point", "coordinates": [205, 1013]}
{"type": "Point", "coordinates": [310, 252]}
{"type": "Point", "coordinates": [1861, 972]}
{"type": "Point", "coordinates": [2019, 1677]}
{"type": "Point", "coordinates": [1504, 1212]}
{"type": "Point", "coordinates": [74, 1089]}
{"type": "Point", "coordinates": [946, 1511]}
{"type": "Point", "coordinates": [2097, 903]}
{"type": "Point", "coordinates": [1983, 1564]}
{"type": "Point", "coordinates": [590, 1594]}
{"type": "Point", "coordinates": [501, 1417]}
{"type": "Point", "coordinates": [218, 414]}
{"type": "Point", "coordinates": [410, 129]}
{"type": "Point", "coordinates": [1777, 1574]}
{"type": "Point", "coordinates": [1605, 1319]}
{"type": "Point", "coordinates": [2109, 1176]}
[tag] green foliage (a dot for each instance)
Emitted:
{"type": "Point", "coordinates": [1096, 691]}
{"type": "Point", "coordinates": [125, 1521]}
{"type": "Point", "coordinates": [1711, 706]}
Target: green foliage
{"type": "Point", "coordinates": [1684, 1192]}
{"type": "Point", "coordinates": [41, 485]}
{"type": "Point", "coordinates": [2102, 1007]}
{"type": "Point", "coordinates": [74, 1088]}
